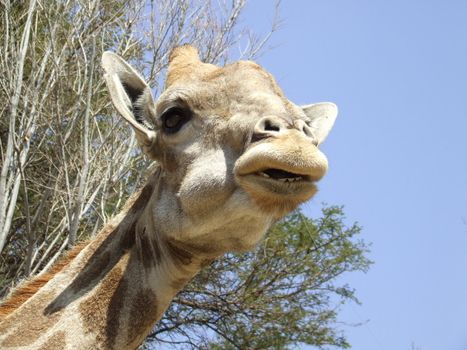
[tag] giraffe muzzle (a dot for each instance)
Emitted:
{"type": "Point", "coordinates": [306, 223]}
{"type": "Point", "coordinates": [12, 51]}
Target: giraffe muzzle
{"type": "Point", "coordinates": [281, 170]}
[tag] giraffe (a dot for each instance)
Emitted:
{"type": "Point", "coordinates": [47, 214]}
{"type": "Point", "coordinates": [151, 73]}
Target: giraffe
{"type": "Point", "coordinates": [233, 156]}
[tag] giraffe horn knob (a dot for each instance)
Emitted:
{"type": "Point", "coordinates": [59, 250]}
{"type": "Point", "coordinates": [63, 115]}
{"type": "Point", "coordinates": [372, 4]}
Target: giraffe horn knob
{"type": "Point", "coordinates": [185, 64]}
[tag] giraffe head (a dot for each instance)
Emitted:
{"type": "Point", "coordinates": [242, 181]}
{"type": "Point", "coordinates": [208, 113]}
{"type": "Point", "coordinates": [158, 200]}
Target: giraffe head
{"type": "Point", "coordinates": [235, 154]}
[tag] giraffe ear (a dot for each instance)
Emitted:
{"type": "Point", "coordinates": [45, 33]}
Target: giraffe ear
{"type": "Point", "coordinates": [130, 95]}
{"type": "Point", "coordinates": [322, 116]}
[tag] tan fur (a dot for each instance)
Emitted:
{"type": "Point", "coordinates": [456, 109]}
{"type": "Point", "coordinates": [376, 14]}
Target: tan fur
{"type": "Point", "coordinates": [184, 64]}
{"type": "Point", "coordinates": [209, 195]}
{"type": "Point", "coordinates": [26, 333]}
{"type": "Point", "coordinates": [25, 291]}
{"type": "Point", "coordinates": [55, 342]}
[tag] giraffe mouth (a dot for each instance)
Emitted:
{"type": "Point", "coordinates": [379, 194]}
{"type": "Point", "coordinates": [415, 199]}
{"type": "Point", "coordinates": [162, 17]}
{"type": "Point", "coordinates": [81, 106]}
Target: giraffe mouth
{"type": "Point", "coordinates": [288, 160]}
{"type": "Point", "coordinates": [282, 175]}
{"type": "Point", "coordinates": [277, 191]}
{"type": "Point", "coordinates": [277, 180]}
{"type": "Point", "coordinates": [282, 185]}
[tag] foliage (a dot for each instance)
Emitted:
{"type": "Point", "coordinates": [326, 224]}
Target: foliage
{"type": "Point", "coordinates": [282, 294]}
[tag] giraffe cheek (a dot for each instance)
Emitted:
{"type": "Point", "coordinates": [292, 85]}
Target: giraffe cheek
{"type": "Point", "coordinates": [207, 185]}
{"type": "Point", "coordinates": [200, 199]}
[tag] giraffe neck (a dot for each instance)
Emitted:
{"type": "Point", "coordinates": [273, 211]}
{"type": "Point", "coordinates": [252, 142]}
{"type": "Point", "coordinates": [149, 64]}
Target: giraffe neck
{"type": "Point", "coordinates": [111, 294]}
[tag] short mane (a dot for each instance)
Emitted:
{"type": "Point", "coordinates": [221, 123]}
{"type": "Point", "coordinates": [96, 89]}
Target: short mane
{"type": "Point", "coordinates": [27, 289]}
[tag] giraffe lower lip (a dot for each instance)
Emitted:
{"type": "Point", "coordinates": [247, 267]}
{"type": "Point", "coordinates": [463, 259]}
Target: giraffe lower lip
{"type": "Point", "coordinates": [281, 188]}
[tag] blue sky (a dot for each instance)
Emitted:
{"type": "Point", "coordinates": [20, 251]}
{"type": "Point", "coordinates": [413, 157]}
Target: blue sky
{"type": "Point", "coordinates": [398, 72]}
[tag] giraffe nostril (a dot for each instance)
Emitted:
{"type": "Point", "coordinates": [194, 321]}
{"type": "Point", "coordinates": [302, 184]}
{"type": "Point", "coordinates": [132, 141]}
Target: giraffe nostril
{"type": "Point", "coordinates": [269, 125]}
{"type": "Point", "coordinates": [307, 130]}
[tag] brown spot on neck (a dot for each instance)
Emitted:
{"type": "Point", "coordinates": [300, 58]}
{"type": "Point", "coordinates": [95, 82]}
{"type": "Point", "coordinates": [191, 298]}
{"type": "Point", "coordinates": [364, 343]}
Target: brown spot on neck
{"type": "Point", "coordinates": [148, 249]}
{"type": "Point", "coordinates": [100, 312]}
{"type": "Point", "coordinates": [180, 253]}
{"type": "Point", "coordinates": [143, 314]}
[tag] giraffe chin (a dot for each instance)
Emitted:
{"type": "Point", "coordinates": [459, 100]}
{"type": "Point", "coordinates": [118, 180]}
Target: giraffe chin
{"type": "Point", "coordinates": [276, 197]}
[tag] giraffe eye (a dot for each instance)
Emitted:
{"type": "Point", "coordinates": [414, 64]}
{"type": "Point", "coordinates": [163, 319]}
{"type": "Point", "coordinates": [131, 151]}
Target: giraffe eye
{"type": "Point", "coordinates": [174, 118]}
